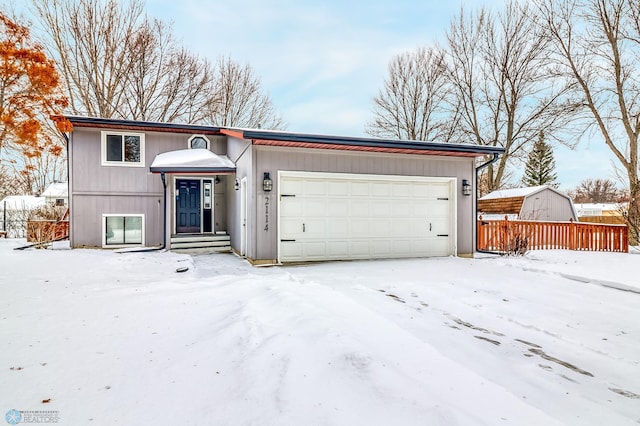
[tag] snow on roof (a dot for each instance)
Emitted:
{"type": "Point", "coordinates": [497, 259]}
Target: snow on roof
{"type": "Point", "coordinates": [22, 202]}
{"type": "Point", "coordinates": [514, 192]}
{"type": "Point", "coordinates": [56, 189]}
{"type": "Point", "coordinates": [597, 206]}
{"type": "Point", "coordinates": [198, 159]}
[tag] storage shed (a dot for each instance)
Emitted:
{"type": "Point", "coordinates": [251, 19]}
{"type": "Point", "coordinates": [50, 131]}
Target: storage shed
{"type": "Point", "coordinates": [542, 203]}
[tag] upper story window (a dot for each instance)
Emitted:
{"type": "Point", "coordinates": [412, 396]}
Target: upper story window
{"type": "Point", "coordinates": [199, 142]}
{"type": "Point", "coordinates": [122, 149]}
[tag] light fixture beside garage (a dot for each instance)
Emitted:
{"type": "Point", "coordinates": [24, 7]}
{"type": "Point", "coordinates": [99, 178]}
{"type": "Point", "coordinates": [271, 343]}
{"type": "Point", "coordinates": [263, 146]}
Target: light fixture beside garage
{"type": "Point", "coordinates": [466, 187]}
{"type": "Point", "coordinates": [267, 183]}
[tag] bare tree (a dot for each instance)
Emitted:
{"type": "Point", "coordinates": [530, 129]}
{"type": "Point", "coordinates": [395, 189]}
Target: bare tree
{"type": "Point", "coordinates": [91, 41]}
{"type": "Point", "coordinates": [597, 191]}
{"type": "Point", "coordinates": [166, 82]}
{"type": "Point", "coordinates": [500, 74]}
{"type": "Point", "coordinates": [413, 103]}
{"type": "Point", "coordinates": [598, 46]}
{"type": "Point", "coordinates": [119, 63]}
{"type": "Point", "coordinates": [238, 99]}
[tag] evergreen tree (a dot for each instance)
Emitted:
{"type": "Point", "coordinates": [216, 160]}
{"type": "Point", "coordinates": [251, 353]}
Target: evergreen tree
{"type": "Point", "coordinates": [540, 167]}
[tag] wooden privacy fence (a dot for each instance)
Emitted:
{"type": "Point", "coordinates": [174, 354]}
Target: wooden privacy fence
{"type": "Point", "coordinates": [503, 235]}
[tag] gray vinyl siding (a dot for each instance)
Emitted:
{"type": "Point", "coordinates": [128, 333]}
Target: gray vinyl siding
{"type": "Point", "coordinates": [96, 189]}
{"type": "Point", "coordinates": [547, 205]}
{"type": "Point", "coordinates": [274, 159]}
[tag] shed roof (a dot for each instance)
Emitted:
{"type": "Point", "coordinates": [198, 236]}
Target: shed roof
{"type": "Point", "coordinates": [514, 192]}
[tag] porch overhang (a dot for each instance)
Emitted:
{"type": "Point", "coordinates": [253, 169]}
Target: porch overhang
{"type": "Point", "coordinates": [200, 161]}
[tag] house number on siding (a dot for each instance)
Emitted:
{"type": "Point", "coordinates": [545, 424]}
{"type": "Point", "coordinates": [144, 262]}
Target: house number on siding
{"type": "Point", "coordinates": [266, 213]}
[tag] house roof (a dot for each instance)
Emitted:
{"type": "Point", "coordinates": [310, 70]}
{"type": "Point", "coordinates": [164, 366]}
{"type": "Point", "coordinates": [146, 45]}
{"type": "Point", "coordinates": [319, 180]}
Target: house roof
{"type": "Point", "coordinates": [56, 189]}
{"type": "Point", "coordinates": [22, 202]}
{"type": "Point", "coordinates": [192, 161]}
{"type": "Point", "coordinates": [298, 140]}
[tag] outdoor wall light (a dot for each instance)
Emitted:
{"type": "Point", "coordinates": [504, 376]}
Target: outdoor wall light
{"type": "Point", "coordinates": [236, 184]}
{"type": "Point", "coordinates": [466, 187]}
{"type": "Point", "coordinates": [267, 183]}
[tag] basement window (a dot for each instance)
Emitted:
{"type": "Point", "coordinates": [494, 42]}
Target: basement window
{"type": "Point", "coordinates": [122, 230]}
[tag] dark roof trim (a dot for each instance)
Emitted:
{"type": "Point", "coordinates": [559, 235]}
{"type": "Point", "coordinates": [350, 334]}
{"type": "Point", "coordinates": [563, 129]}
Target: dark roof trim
{"type": "Point", "coordinates": [187, 169]}
{"type": "Point", "coordinates": [370, 142]}
{"type": "Point", "coordinates": [142, 125]}
{"type": "Point", "coordinates": [363, 148]}
{"type": "Point", "coordinates": [251, 134]}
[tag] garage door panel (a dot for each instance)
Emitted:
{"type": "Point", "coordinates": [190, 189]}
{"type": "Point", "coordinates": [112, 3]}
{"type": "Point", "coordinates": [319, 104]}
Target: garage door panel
{"type": "Point", "coordinates": [315, 249]}
{"type": "Point", "coordinates": [359, 189]}
{"type": "Point", "coordinates": [440, 190]}
{"type": "Point", "coordinates": [290, 228]}
{"type": "Point", "coordinates": [359, 249]}
{"type": "Point", "coordinates": [314, 207]}
{"type": "Point", "coordinates": [314, 228]}
{"type": "Point", "coordinates": [421, 208]}
{"type": "Point", "coordinates": [359, 208]}
{"type": "Point", "coordinates": [401, 208]}
{"type": "Point", "coordinates": [381, 208]}
{"type": "Point", "coordinates": [402, 189]}
{"type": "Point", "coordinates": [338, 188]}
{"type": "Point", "coordinates": [402, 228]}
{"type": "Point", "coordinates": [290, 186]}
{"type": "Point", "coordinates": [337, 208]}
{"type": "Point", "coordinates": [380, 189]}
{"type": "Point", "coordinates": [351, 217]}
{"type": "Point", "coordinates": [381, 248]}
{"type": "Point", "coordinates": [359, 228]}
{"type": "Point", "coordinates": [338, 249]}
{"type": "Point", "coordinates": [313, 187]}
{"type": "Point", "coordinates": [421, 189]}
{"type": "Point", "coordinates": [291, 250]}
{"type": "Point", "coordinates": [380, 228]}
{"type": "Point", "coordinates": [439, 209]}
{"type": "Point", "coordinates": [337, 228]}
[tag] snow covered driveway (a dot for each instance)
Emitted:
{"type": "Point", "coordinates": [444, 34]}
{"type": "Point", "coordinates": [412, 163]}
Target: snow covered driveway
{"type": "Point", "coordinates": [105, 338]}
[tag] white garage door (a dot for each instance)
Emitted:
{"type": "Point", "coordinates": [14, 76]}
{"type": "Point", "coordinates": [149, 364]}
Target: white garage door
{"type": "Point", "coordinates": [329, 216]}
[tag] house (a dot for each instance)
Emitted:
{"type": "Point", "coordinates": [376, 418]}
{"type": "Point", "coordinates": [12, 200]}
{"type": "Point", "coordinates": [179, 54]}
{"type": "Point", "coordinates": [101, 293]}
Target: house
{"type": "Point", "coordinates": [270, 196]}
{"type": "Point", "coordinates": [542, 203]}
{"type": "Point", "coordinates": [56, 194]}
{"type": "Point", "coordinates": [611, 213]}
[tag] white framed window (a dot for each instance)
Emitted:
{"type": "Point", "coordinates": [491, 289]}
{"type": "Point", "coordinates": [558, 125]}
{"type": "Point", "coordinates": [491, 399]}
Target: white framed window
{"type": "Point", "coordinates": [199, 142]}
{"type": "Point", "coordinates": [122, 149]}
{"type": "Point", "coordinates": [122, 230]}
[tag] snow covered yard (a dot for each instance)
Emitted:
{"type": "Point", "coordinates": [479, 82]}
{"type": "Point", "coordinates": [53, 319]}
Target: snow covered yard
{"type": "Point", "coordinates": [106, 338]}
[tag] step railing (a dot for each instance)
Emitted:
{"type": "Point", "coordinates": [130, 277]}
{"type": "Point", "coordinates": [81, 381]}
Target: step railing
{"type": "Point", "coordinates": [503, 235]}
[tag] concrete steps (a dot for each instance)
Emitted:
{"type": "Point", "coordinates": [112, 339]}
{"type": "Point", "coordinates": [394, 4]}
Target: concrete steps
{"type": "Point", "coordinates": [200, 243]}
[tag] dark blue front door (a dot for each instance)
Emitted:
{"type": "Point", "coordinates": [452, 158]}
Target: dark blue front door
{"type": "Point", "coordinates": [187, 206]}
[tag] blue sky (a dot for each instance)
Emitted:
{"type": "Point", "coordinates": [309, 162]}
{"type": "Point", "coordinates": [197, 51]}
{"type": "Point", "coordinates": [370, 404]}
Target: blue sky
{"type": "Point", "coordinates": [322, 62]}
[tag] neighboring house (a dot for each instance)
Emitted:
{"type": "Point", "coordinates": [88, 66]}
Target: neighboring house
{"type": "Point", "coordinates": [542, 203]}
{"type": "Point", "coordinates": [611, 213]}
{"type": "Point", "coordinates": [14, 212]}
{"type": "Point", "coordinates": [57, 194]}
{"type": "Point", "coordinates": [270, 196]}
